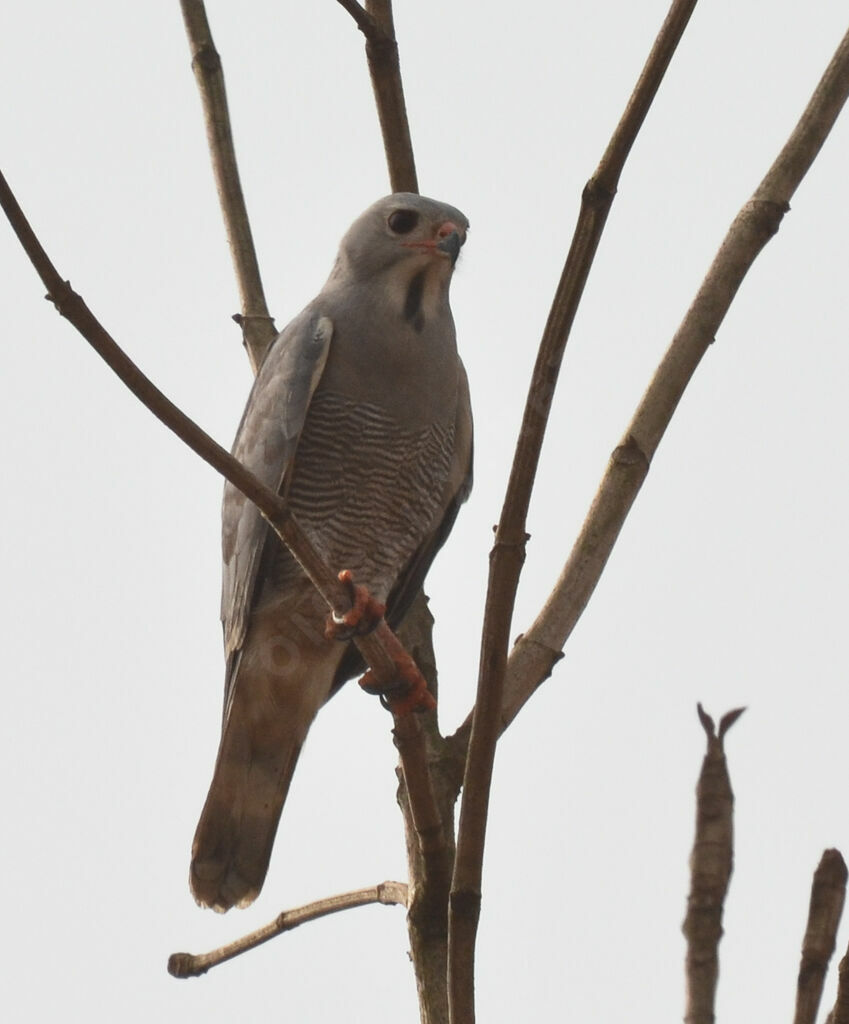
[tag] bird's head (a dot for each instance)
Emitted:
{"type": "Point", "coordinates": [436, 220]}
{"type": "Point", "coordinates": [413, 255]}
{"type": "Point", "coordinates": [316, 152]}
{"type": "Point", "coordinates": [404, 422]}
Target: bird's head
{"type": "Point", "coordinates": [403, 230]}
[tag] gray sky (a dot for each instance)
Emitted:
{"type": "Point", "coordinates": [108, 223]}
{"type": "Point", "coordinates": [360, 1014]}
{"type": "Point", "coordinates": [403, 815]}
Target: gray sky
{"type": "Point", "coordinates": [728, 584]}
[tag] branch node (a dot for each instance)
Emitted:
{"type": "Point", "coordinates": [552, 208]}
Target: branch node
{"type": "Point", "coordinates": [768, 213]}
{"type": "Point", "coordinates": [630, 453]}
{"type": "Point", "coordinates": [245, 319]}
{"type": "Point", "coordinates": [366, 23]}
{"type": "Point", "coordinates": [206, 58]}
{"type": "Point", "coordinates": [381, 47]}
{"type": "Point", "coordinates": [597, 194]}
{"type": "Point", "coordinates": [465, 903]}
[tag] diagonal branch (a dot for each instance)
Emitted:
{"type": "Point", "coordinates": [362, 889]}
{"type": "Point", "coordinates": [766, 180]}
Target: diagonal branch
{"type": "Point", "coordinates": [534, 655]}
{"type": "Point", "coordinates": [192, 965]}
{"type": "Point", "coordinates": [508, 553]}
{"type": "Point", "coordinates": [711, 863]}
{"type": "Point", "coordinates": [828, 893]}
{"type": "Point", "coordinates": [376, 23]}
{"type": "Point", "coordinates": [258, 329]}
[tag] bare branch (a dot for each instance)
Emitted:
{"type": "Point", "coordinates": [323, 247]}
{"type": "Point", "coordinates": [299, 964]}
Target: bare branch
{"type": "Point", "coordinates": [508, 553]}
{"type": "Point", "coordinates": [532, 659]}
{"type": "Point", "coordinates": [430, 855]}
{"type": "Point", "coordinates": [430, 873]}
{"type": "Point", "coordinates": [711, 863]}
{"type": "Point", "coordinates": [258, 331]}
{"type": "Point", "coordinates": [377, 25]}
{"type": "Point", "coordinates": [190, 965]}
{"type": "Point", "coordinates": [410, 741]}
{"type": "Point", "coordinates": [828, 894]}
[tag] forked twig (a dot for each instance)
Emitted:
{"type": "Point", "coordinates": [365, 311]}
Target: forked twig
{"type": "Point", "coordinates": [711, 863]}
{"type": "Point", "coordinates": [258, 331]}
{"type": "Point", "coordinates": [192, 965]}
{"type": "Point", "coordinates": [366, 23]}
{"type": "Point", "coordinates": [509, 550]}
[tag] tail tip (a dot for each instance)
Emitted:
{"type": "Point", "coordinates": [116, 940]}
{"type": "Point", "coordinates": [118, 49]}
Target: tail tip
{"type": "Point", "coordinates": [220, 887]}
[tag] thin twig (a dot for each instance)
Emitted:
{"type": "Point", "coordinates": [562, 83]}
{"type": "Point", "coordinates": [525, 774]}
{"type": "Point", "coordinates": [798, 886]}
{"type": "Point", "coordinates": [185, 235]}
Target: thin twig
{"type": "Point", "coordinates": [533, 656]}
{"type": "Point", "coordinates": [828, 893]}
{"type": "Point", "coordinates": [711, 863]}
{"type": "Point", "coordinates": [373, 646]}
{"type": "Point", "coordinates": [377, 25]}
{"type": "Point", "coordinates": [191, 965]}
{"type": "Point", "coordinates": [508, 553]}
{"type": "Point", "coordinates": [365, 22]}
{"type": "Point", "coordinates": [258, 331]}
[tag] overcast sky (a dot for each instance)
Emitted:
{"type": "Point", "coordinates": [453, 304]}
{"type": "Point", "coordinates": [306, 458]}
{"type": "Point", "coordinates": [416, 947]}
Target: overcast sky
{"type": "Point", "coordinates": [728, 584]}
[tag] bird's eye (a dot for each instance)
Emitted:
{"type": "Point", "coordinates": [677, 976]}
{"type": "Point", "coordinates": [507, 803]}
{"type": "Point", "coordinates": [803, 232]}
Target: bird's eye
{"type": "Point", "coordinates": [402, 222]}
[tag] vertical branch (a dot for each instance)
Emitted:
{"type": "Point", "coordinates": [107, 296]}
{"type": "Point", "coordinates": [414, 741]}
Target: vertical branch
{"type": "Point", "coordinates": [258, 330]}
{"type": "Point", "coordinates": [711, 863]}
{"type": "Point", "coordinates": [376, 23]}
{"type": "Point", "coordinates": [507, 555]}
{"type": "Point", "coordinates": [828, 893]}
{"type": "Point", "coordinates": [430, 864]}
{"type": "Point", "coordinates": [385, 70]}
{"type": "Point", "coordinates": [429, 869]}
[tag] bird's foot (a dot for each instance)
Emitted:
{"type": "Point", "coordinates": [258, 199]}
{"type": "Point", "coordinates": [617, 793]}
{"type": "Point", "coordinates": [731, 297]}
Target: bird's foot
{"type": "Point", "coordinates": [407, 691]}
{"type": "Point", "coordinates": [361, 618]}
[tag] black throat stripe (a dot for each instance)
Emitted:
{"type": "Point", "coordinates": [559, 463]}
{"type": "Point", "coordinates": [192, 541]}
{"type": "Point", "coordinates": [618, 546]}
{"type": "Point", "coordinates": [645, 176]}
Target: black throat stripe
{"type": "Point", "coordinates": [413, 302]}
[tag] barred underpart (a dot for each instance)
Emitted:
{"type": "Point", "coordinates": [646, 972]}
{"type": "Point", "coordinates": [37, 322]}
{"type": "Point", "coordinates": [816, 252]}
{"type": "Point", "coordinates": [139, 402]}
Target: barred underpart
{"type": "Point", "coordinates": [366, 488]}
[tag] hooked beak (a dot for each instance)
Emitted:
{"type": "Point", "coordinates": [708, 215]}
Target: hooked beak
{"type": "Point", "coordinates": [448, 242]}
{"type": "Point", "coordinates": [450, 245]}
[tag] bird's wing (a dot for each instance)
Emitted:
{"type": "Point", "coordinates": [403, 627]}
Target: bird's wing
{"type": "Point", "coordinates": [266, 442]}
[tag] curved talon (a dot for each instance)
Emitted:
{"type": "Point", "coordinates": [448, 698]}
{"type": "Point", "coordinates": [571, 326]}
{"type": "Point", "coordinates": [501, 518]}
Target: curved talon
{"type": "Point", "coordinates": [361, 618]}
{"type": "Point", "coordinates": [407, 691]}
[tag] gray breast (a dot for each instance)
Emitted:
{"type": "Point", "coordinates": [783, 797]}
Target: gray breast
{"type": "Point", "coordinates": [366, 488]}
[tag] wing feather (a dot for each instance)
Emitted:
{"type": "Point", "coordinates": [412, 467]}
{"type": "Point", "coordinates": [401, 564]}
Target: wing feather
{"type": "Point", "coordinates": [266, 443]}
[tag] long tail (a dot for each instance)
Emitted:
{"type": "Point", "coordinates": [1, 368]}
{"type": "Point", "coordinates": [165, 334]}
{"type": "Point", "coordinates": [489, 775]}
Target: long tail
{"type": "Point", "coordinates": [235, 834]}
{"type": "Point", "coordinates": [266, 725]}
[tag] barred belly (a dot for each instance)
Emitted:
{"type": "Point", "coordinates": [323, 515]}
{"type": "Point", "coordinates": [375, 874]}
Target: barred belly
{"type": "Point", "coordinates": [366, 489]}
